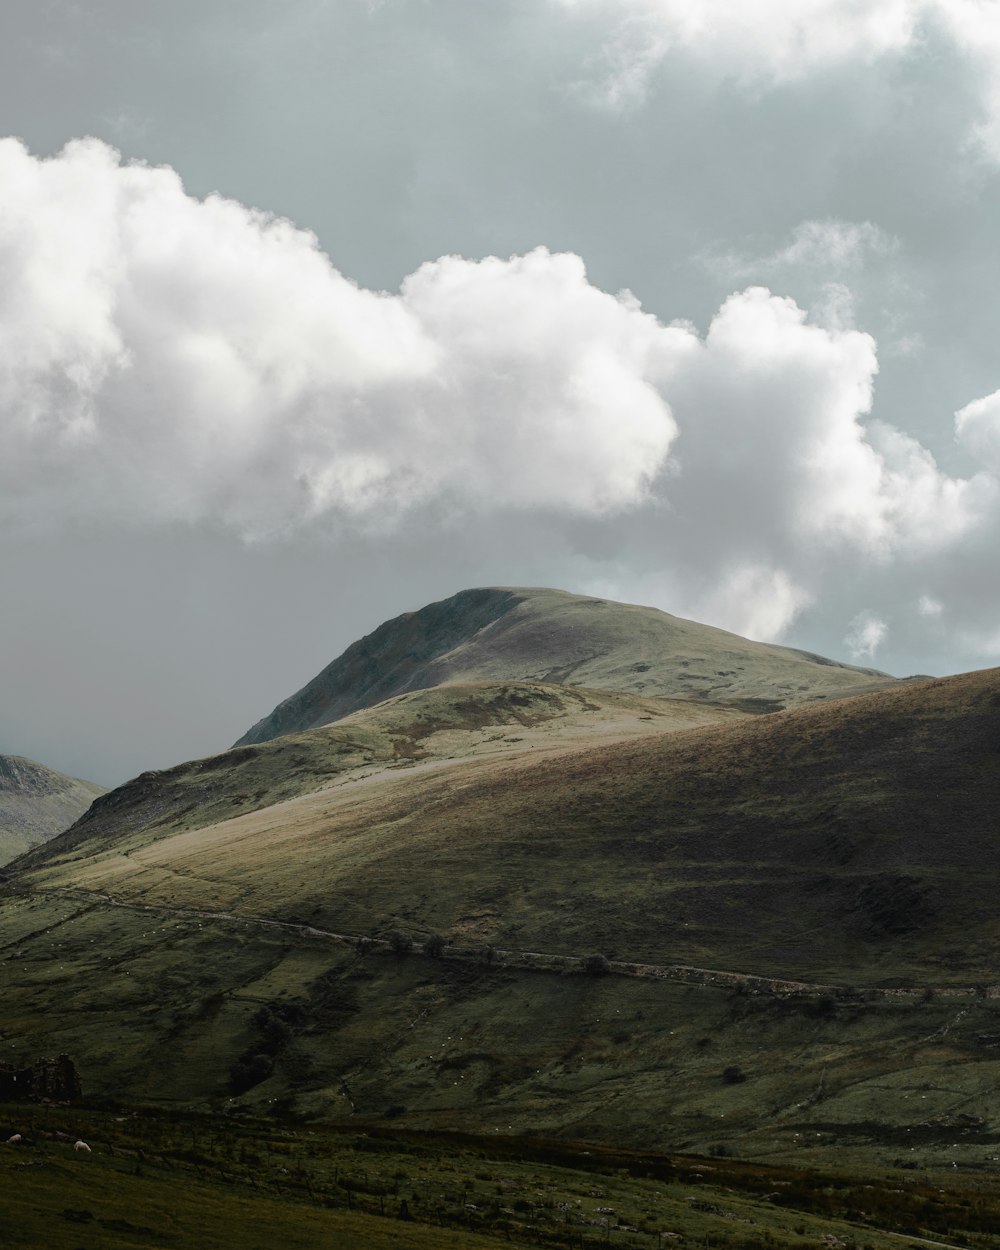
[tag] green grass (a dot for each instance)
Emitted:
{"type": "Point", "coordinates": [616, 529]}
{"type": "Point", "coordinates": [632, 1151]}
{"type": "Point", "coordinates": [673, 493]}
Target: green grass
{"type": "Point", "coordinates": [158, 1178]}
{"type": "Point", "coordinates": [849, 843]}
{"type": "Point", "coordinates": [158, 1010]}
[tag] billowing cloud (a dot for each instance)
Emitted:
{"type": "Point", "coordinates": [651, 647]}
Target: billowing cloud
{"type": "Point", "coordinates": [771, 413]}
{"type": "Point", "coordinates": [781, 482]}
{"type": "Point", "coordinates": [977, 427]}
{"type": "Point", "coordinates": [755, 601]}
{"type": "Point", "coordinates": [170, 359]}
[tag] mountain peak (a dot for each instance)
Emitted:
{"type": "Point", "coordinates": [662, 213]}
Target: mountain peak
{"type": "Point", "coordinates": [36, 803]}
{"type": "Point", "coordinates": [504, 633]}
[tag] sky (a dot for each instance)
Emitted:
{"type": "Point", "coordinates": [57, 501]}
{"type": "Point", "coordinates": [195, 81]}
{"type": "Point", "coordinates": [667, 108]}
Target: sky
{"type": "Point", "coordinates": [316, 311]}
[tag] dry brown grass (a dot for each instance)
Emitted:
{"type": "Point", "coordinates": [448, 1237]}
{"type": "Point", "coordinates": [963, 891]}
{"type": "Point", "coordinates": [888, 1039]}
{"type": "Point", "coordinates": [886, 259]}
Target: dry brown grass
{"type": "Point", "coordinates": [846, 841]}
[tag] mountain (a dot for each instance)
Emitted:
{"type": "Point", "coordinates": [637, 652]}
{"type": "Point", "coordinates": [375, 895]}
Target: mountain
{"type": "Point", "coordinates": [482, 722]}
{"type": "Point", "coordinates": [845, 841]}
{"type": "Point", "coordinates": [36, 803]}
{"type": "Point", "coordinates": [505, 905]}
{"type": "Point", "coordinates": [527, 908]}
{"type": "Point", "coordinates": [551, 636]}
{"type": "Point", "coordinates": [405, 963]}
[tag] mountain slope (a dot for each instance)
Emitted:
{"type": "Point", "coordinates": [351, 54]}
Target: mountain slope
{"type": "Point", "coordinates": [478, 721]}
{"type": "Point", "coordinates": [844, 844]}
{"type": "Point", "coordinates": [36, 803]}
{"type": "Point", "coordinates": [506, 634]}
{"type": "Point", "coordinates": [850, 840]}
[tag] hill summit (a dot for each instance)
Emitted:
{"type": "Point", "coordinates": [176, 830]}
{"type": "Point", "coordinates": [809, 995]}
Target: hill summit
{"type": "Point", "coordinates": [36, 803]}
{"type": "Point", "coordinates": [515, 634]}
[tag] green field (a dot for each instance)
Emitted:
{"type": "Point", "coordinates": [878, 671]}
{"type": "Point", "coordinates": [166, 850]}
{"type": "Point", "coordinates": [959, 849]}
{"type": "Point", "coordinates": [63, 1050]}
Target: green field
{"type": "Point", "coordinates": [161, 1179]}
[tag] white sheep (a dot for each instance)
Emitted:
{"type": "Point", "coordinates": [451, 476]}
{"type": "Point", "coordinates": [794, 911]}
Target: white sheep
{"type": "Point", "coordinates": [81, 1145]}
{"type": "Point", "coordinates": [12, 1141]}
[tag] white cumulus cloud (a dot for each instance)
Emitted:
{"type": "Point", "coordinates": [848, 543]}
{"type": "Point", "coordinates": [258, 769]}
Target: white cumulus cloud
{"type": "Point", "coordinates": [170, 360]}
{"type": "Point", "coordinates": [977, 427]}
{"type": "Point", "coordinates": [174, 359]}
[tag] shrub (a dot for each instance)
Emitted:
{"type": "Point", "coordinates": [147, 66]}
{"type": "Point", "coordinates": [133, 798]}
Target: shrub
{"type": "Point", "coordinates": [734, 1074]}
{"type": "Point", "coordinates": [401, 942]}
{"type": "Point", "coordinates": [250, 1071]}
{"type": "Point", "coordinates": [435, 944]}
{"type": "Point", "coordinates": [275, 1030]}
{"type": "Point", "coordinates": [596, 965]}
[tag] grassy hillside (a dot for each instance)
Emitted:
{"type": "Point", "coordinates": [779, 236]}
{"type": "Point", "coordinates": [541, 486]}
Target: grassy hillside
{"type": "Point", "coordinates": [262, 961]}
{"type": "Point", "coordinates": [168, 1179]}
{"type": "Point", "coordinates": [36, 803]}
{"type": "Point", "coordinates": [179, 1009]}
{"type": "Point", "coordinates": [503, 634]}
{"type": "Point", "coordinates": [849, 842]}
{"type": "Point", "coordinates": [484, 721]}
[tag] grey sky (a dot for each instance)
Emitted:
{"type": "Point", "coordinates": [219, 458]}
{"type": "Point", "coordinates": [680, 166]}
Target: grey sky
{"type": "Point", "coordinates": [860, 182]}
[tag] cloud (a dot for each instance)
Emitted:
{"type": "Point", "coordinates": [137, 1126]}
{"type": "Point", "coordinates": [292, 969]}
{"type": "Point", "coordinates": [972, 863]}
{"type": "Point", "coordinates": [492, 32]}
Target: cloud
{"type": "Point", "coordinates": [975, 29]}
{"type": "Point", "coordinates": [756, 601]}
{"type": "Point", "coordinates": [776, 39]}
{"type": "Point", "coordinates": [777, 42]}
{"type": "Point", "coordinates": [977, 427]}
{"type": "Point", "coordinates": [866, 635]}
{"type": "Point", "coordinates": [771, 414]}
{"type": "Point", "coordinates": [170, 359]}
{"type": "Point", "coordinates": [785, 497]}
{"type": "Point", "coordinates": [828, 245]}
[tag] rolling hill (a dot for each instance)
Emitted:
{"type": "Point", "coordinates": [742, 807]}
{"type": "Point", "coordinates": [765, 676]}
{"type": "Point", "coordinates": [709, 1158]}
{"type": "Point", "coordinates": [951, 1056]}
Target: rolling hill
{"type": "Point", "coordinates": [483, 721]}
{"type": "Point", "coordinates": [509, 907]}
{"type": "Point", "coordinates": [551, 636]}
{"type": "Point", "coordinates": [849, 841]}
{"type": "Point", "coordinates": [36, 803]}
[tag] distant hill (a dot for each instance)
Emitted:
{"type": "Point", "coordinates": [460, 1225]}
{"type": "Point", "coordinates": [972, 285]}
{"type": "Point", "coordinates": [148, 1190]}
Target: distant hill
{"type": "Point", "coordinates": [539, 635]}
{"type": "Point", "coordinates": [36, 803]}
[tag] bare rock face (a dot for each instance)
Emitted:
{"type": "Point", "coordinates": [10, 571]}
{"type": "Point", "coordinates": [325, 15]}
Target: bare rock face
{"type": "Point", "coordinates": [498, 633]}
{"type": "Point", "coordinates": [36, 803]}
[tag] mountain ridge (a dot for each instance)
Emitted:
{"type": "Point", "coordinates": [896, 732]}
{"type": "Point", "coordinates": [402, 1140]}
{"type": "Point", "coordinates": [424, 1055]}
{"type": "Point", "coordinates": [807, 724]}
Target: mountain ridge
{"type": "Point", "coordinates": [537, 634]}
{"type": "Point", "coordinates": [833, 811]}
{"type": "Point", "coordinates": [805, 897]}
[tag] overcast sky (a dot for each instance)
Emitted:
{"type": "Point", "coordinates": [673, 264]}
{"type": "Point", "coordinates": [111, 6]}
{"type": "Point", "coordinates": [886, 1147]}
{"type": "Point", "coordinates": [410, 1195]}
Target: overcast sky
{"type": "Point", "coordinates": [314, 311]}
